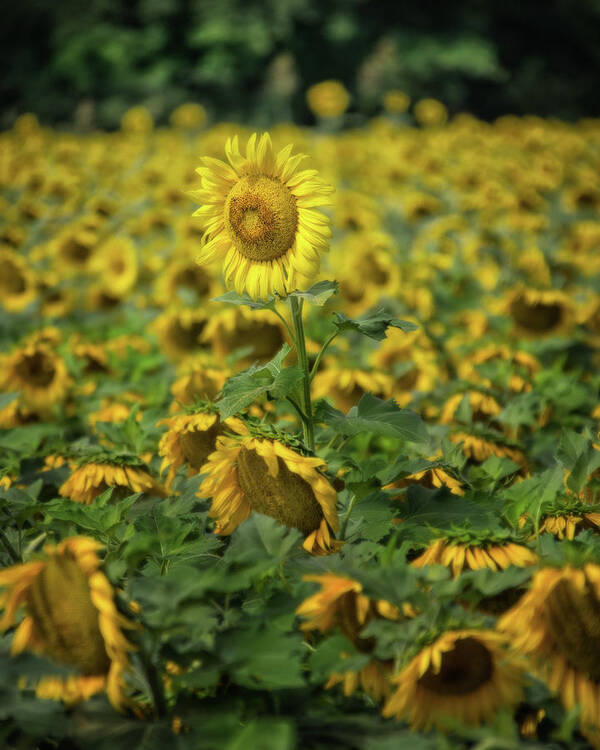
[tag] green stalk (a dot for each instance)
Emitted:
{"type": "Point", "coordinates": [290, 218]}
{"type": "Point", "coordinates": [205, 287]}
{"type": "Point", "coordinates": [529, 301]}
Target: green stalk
{"type": "Point", "coordinates": [307, 424]}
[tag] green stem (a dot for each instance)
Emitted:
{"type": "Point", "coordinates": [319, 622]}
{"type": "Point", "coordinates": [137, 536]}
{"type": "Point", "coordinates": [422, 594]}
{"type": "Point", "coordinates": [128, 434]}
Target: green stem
{"type": "Point", "coordinates": [285, 323]}
{"type": "Point", "coordinates": [346, 518]}
{"type": "Point", "coordinates": [313, 372]}
{"type": "Point", "coordinates": [308, 427]}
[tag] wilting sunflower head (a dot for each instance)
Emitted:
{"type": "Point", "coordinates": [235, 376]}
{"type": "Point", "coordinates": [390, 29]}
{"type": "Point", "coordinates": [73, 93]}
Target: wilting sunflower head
{"type": "Point", "coordinates": [39, 373]}
{"type": "Point", "coordinates": [475, 555]}
{"type": "Point", "coordinates": [247, 473]}
{"type": "Point", "coordinates": [70, 618]}
{"type": "Point", "coordinates": [465, 675]}
{"type": "Point", "coordinates": [190, 439]}
{"type": "Point", "coordinates": [93, 478]}
{"type": "Point", "coordinates": [556, 625]}
{"type": "Point", "coordinates": [260, 217]}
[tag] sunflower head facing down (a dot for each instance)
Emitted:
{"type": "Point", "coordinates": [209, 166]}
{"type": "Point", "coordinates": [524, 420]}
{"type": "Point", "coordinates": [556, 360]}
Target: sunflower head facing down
{"type": "Point", "coordinates": [556, 625]}
{"type": "Point", "coordinates": [92, 478]}
{"type": "Point", "coordinates": [247, 473]}
{"type": "Point", "coordinates": [464, 675]}
{"type": "Point", "coordinates": [261, 219]}
{"type": "Point", "coordinates": [71, 619]}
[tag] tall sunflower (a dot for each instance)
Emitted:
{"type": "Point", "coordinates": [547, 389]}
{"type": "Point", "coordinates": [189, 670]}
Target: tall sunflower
{"type": "Point", "coordinates": [260, 217]}
{"type": "Point", "coordinates": [247, 473]}
{"type": "Point", "coordinates": [464, 675]}
{"type": "Point", "coordinates": [70, 618]}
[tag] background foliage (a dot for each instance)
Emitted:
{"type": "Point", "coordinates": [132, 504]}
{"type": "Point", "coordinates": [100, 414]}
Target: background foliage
{"type": "Point", "coordinates": [255, 58]}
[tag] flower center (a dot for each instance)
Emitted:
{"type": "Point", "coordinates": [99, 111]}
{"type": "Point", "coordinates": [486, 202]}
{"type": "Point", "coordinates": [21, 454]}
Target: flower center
{"type": "Point", "coordinates": [465, 668]}
{"type": "Point", "coordinates": [186, 334]}
{"type": "Point", "coordinates": [537, 317]}
{"type": "Point", "coordinates": [287, 497]}
{"type": "Point", "coordinates": [262, 217]}
{"type": "Point", "coordinates": [574, 623]}
{"type": "Point", "coordinates": [36, 369]}
{"type": "Point", "coordinates": [65, 618]}
{"type": "Point", "coordinates": [197, 445]}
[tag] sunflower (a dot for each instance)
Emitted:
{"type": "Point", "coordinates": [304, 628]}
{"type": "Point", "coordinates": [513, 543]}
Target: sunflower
{"type": "Point", "coordinates": [328, 99]}
{"type": "Point", "coordinates": [198, 381]}
{"type": "Point", "coordinates": [341, 604]}
{"type": "Point", "coordinates": [536, 312]}
{"type": "Point", "coordinates": [345, 386]}
{"type": "Point", "coordinates": [483, 407]}
{"type": "Point", "coordinates": [261, 219]}
{"type": "Point", "coordinates": [433, 478]}
{"type": "Point", "coordinates": [93, 478]}
{"type": "Point", "coordinates": [523, 366]}
{"type": "Point", "coordinates": [70, 618]}
{"type": "Point", "coordinates": [475, 556]}
{"type": "Point", "coordinates": [430, 112]}
{"type": "Point", "coordinates": [183, 277]}
{"type": "Point", "coordinates": [190, 439]}
{"type": "Point", "coordinates": [246, 473]}
{"type": "Point", "coordinates": [464, 675]}
{"type": "Point", "coordinates": [17, 281]}
{"type": "Point", "coordinates": [555, 624]}
{"type": "Point", "coordinates": [396, 101]}
{"type": "Point", "coordinates": [180, 330]}
{"type": "Point", "coordinates": [479, 449]}
{"type": "Point", "coordinates": [258, 331]}
{"type": "Point", "coordinates": [115, 264]}
{"type": "Point", "coordinates": [39, 373]}
{"type": "Point", "coordinates": [565, 525]}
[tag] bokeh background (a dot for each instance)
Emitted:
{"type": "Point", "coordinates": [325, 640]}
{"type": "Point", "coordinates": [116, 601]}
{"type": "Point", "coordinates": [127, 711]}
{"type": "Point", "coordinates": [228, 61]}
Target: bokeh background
{"type": "Point", "coordinates": [84, 63]}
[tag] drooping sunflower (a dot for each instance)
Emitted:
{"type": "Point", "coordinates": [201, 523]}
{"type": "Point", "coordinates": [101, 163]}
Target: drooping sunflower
{"type": "Point", "coordinates": [340, 603]}
{"type": "Point", "coordinates": [432, 478]}
{"type": "Point", "coordinates": [464, 675]}
{"type": "Point", "coordinates": [91, 479]}
{"type": "Point", "coordinates": [540, 312]}
{"type": "Point", "coordinates": [555, 624]}
{"type": "Point", "coordinates": [180, 331]}
{"type": "Point", "coordinates": [190, 439]}
{"type": "Point", "coordinates": [247, 473]}
{"type": "Point", "coordinates": [565, 525]}
{"type": "Point", "coordinates": [39, 373]}
{"type": "Point", "coordinates": [261, 219]}
{"type": "Point", "coordinates": [199, 380]}
{"type": "Point", "coordinates": [70, 618]}
{"type": "Point", "coordinates": [479, 449]}
{"type": "Point", "coordinates": [475, 555]}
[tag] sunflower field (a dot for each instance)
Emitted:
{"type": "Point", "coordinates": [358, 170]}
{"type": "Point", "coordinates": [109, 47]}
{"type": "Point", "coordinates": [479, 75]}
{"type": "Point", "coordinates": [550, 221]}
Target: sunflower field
{"type": "Point", "coordinates": [299, 433]}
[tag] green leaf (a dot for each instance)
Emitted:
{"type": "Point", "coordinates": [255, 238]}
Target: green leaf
{"type": "Point", "coordinates": [374, 324]}
{"type": "Point", "coordinates": [243, 389]}
{"type": "Point", "coordinates": [374, 514]}
{"type": "Point", "coordinates": [233, 298]}
{"type": "Point", "coordinates": [440, 508]}
{"type": "Point", "coordinates": [376, 416]}
{"type": "Point", "coordinates": [530, 495]}
{"type": "Point", "coordinates": [319, 293]}
{"type": "Point", "coordinates": [265, 734]}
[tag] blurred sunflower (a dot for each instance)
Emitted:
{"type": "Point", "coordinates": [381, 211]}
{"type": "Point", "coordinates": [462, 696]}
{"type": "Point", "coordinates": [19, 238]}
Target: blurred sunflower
{"type": "Point", "coordinates": [198, 381]}
{"type": "Point", "coordinates": [261, 219]}
{"type": "Point", "coordinates": [328, 99]}
{"type": "Point", "coordinates": [247, 473]}
{"type": "Point", "coordinates": [537, 312]}
{"type": "Point", "coordinates": [341, 604]}
{"type": "Point", "coordinates": [257, 333]}
{"type": "Point", "coordinates": [92, 478]}
{"type": "Point", "coordinates": [39, 373]}
{"type": "Point", "coordinates": [180, 331]}
{"type": "Point", "coordinates": [464, 675]}
{"type": "Point", "coordinates": [70, 618]}
{"type": "Point", "coordinates": [555, 624]}
{"type": "Point", "coordinates": [115, 265]}
{"type": "Point", "coordinates": [346, 386]}
{"type": "Point", "coordinates": [475, 555]}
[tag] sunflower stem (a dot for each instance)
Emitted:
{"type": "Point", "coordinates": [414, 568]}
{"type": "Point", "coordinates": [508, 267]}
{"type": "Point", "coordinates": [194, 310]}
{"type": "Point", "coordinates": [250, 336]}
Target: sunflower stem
{"type": "Point", "coordinates": [12, 553]}
{"type": "Point", "coordinates": [324, 348]}
{"type": "Point", "coordinates": [346, 518]}
{"type": "Point", "coordinates": [307, 424]}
